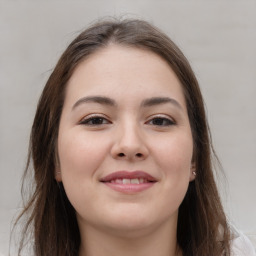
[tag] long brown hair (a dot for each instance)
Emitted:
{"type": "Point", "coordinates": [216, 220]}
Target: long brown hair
{"type": "Point", "coordinates": [51, 217]}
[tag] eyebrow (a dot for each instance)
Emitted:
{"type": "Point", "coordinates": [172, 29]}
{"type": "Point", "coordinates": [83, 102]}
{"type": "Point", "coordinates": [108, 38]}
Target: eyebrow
{"type": "Point", "coordinates": [95, 99]}
{"type": "Point", "coordinates": [160, 100]}
{"type": "Point", "coordinates": [110, 102]}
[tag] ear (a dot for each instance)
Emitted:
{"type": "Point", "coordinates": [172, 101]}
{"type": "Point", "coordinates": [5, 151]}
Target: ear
{"type": "Point", "coordinates": [192, 171]}
{"type": "Point", "coordinates": [57, 175]}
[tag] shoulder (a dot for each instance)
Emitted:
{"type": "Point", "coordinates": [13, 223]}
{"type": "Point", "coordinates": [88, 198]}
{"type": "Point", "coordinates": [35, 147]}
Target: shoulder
{"type": "Point", "coordinates": [241, 245]}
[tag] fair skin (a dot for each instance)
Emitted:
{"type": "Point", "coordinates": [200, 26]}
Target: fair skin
{"type": "Point", "coordinates": [124, 110]}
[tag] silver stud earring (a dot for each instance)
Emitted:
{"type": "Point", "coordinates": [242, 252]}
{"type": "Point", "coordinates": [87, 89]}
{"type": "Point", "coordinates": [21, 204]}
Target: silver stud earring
{"type": "Point", "coordinates": [194, 173]}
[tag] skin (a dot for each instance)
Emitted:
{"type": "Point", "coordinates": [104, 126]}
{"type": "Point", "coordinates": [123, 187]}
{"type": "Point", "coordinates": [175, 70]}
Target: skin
{"type": "Point", "coordinates": [127, 136]}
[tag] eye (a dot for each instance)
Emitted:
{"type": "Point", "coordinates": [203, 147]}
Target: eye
{"type": "Point", "coordinates": [94, 121]}
{"type": "Point", "coordinates": [161, 121]}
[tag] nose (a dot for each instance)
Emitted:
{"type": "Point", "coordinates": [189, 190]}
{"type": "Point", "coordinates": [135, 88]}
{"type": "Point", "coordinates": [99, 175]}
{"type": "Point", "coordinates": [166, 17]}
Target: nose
{"type": "Point", "coordinates": [130, 144]}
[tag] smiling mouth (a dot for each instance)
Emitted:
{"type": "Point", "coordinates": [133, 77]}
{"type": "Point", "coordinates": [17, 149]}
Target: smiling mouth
{"type": "Point", "coordinates": [129, 182]}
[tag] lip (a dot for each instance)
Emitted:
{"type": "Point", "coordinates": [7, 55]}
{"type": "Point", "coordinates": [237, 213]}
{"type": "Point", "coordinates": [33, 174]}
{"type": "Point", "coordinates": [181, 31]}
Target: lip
{"type": "Point", "coordinates": [110, 179]}
{"type": "Point", "coordinates": [128, 175]}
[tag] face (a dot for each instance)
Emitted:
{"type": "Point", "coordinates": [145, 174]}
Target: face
{"type": "Point", "coordinates": [125, 145]}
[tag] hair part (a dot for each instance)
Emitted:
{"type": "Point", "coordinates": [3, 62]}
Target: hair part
{"type": "Point", "coordinates": [50, 214]}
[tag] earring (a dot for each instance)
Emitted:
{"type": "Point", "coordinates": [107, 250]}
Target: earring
{"type": "Point", "coordinates": [194, 173]}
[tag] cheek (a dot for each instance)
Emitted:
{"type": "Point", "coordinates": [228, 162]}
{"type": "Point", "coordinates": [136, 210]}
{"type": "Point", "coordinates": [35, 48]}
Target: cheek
{"type": "Point", "coordinates": [175, 154]}
{"type": "Point", "coordinates": [174, 157]}
{"type": "Point", "coordinates": [80, 154]}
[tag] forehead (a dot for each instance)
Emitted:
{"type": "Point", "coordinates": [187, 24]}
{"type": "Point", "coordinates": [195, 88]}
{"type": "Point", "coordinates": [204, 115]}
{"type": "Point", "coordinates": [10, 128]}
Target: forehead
{"type": "Point", "coordinates": [124, 71]}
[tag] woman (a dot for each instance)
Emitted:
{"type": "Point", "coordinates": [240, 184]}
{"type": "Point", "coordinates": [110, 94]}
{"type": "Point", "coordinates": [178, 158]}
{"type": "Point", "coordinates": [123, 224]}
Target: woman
{"type": "Point", "coordinates": [121, 151]}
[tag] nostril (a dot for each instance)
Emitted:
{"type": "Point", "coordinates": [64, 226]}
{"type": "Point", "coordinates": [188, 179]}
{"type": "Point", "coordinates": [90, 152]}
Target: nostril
{"type": "Point", "coordinates": [123, 155]}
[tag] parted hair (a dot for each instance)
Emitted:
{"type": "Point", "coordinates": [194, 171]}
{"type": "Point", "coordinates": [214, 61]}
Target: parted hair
{"type": "Point", "coordinates": [50, 220]}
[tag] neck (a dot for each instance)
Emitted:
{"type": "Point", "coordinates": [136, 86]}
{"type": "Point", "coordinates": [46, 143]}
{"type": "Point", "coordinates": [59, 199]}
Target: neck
{"type": "Point", "coordinates": [161, 241]}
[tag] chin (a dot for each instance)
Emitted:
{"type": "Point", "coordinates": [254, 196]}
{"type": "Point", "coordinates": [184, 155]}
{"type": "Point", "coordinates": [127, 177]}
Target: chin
{"type": "Point", "coordinates": [129, 229]}
{"type": "Point", "coordinates": [129, 223]}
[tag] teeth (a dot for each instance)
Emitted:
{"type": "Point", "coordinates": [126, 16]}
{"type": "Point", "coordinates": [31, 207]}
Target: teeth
{"type": "Point", "coordinates": [135, 181]}
{"type": "Point", "coordinates": [129, 181]}
{"type": "Point", "coordinates": [126, 181]}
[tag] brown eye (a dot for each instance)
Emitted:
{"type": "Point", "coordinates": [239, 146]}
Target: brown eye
{"type": "Point", "coordinates": [94, 121]}
{"type": "Point", "coordinates": [161, 121]}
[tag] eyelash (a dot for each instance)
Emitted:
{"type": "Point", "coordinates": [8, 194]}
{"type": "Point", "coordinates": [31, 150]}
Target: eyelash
{"type": "Point", "coordinates": [101, 120]}
{"type": "Point", "coordinates": [88, 121]}
{"type": "Point", "coordinates": [165, 120]}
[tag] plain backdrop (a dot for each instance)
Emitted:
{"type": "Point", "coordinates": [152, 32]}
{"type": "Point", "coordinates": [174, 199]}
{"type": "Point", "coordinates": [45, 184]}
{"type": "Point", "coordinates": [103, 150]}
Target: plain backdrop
{"type": "Point", "coordinates": [219, 39]}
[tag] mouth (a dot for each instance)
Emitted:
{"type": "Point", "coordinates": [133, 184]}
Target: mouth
{"type": "Point", "coordinates": [129, 182]}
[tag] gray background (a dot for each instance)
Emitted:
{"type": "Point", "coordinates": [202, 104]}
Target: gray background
{"type": "Point", "coordinates": [219, 39]}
